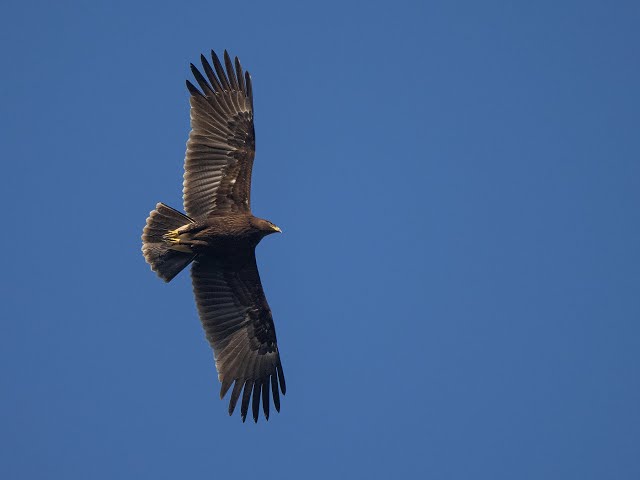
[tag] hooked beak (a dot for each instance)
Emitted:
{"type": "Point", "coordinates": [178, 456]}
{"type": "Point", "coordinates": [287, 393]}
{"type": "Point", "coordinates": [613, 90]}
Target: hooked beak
{"type": "Point", "coordinates": [277, 229]}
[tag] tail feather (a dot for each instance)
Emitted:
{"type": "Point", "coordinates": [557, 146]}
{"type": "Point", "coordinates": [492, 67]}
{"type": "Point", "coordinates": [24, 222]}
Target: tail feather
{"type": "Point", "coordinates": [167, 263]}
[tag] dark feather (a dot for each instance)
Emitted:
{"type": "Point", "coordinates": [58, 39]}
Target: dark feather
{"type": "Point", "coordinates": [210, 75]}
{"type": "Point", "coordinates": [283, 386]}
{"type": "Point", "coordinates": [235, 394]}
{"type": "Point", "coordinates": [226, 384]}
{"type": "Point", "coordinates": [230, 71]}
{"type": "Point", "coordinates": [247, 78]}
{"type": "Point", "coordinates": [276, 395]}
{"type": "Point", "coordinates": [255, 407]}
{"type": "Point", "coordinates": [220, 71]}
{"type": "Point", "coordinates": [204, 86]}
{"type": "Point", "coordinates": [192, 89]}
{"type": "Point", "coordinates": [265, 397]}
{"type": "Point", "coordinates": [240, 75]}
{"type": "Point", "coordinates": [246, 395]}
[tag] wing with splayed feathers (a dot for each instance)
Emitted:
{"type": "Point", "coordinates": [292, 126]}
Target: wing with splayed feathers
{"type": "Point", "coordinates": [239, 326]}
{"type": "Point", "coordinates": [221, 145]}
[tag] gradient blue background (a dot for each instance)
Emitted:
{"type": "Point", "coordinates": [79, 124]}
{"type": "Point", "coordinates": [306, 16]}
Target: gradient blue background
{"type": "Point", "coordinates": [457, 291]}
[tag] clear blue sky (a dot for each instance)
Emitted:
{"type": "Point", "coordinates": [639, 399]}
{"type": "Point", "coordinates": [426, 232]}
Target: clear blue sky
{"type": "Point", "coordinates": [457, 289]}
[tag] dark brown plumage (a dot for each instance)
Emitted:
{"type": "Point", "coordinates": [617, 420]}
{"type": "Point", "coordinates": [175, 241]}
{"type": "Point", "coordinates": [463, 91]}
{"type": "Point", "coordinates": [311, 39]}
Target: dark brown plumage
{"type": "Point", "coordinates": [219, 235]}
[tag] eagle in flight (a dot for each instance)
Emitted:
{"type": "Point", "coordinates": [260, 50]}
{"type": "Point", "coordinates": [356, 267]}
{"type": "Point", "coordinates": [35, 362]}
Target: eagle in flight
{"type": "Point", "coordinates": [219, 235]}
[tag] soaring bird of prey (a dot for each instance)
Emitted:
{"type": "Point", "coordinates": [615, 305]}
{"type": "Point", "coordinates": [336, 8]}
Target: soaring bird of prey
{"type": "Point", "coordinates": [219, 235]}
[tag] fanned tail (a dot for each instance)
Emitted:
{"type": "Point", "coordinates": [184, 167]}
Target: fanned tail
{"type": "Point", "coordinates": [166, 262]}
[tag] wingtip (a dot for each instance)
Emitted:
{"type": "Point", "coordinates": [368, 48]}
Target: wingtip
{"type": "Point", "coordinates": [224, 388]}
{"type": "Point", "coordinates": [192, 89]}
{"type": "Point", "coordinates": [194, 70]}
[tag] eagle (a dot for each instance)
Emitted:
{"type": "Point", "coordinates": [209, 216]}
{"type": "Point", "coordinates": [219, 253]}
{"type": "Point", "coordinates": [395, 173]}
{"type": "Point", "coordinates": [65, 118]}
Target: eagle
{"type": "Point", "coordinates": [218, 237]}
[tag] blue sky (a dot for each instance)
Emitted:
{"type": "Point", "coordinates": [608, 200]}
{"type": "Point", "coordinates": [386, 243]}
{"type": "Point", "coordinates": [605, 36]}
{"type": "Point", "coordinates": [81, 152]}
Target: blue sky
{"type": "Point", "coordinates": [457, 290]}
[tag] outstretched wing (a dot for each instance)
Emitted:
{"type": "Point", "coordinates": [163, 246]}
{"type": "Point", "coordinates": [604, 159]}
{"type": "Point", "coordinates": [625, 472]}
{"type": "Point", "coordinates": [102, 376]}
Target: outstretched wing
{"type": "Point", "coordinates": [239, 326]}
{"type": "Point", "coordinates": [221, 145]}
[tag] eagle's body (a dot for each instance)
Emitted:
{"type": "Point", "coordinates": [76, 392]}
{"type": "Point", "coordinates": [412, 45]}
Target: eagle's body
{"type": "Point", "coordinates": [219, 235]}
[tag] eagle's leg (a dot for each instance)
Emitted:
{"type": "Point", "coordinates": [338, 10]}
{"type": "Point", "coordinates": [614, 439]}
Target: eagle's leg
{"type": "Point", "coordinates": [181, 239]}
